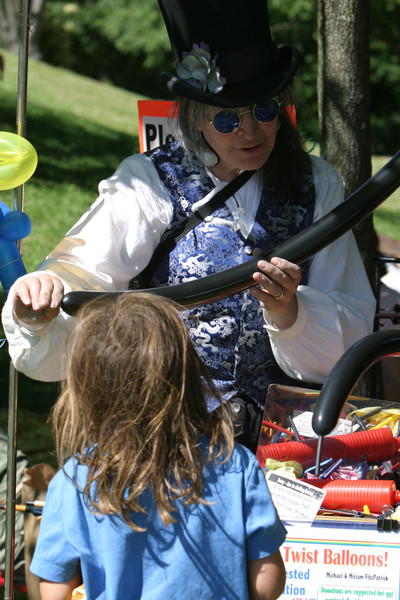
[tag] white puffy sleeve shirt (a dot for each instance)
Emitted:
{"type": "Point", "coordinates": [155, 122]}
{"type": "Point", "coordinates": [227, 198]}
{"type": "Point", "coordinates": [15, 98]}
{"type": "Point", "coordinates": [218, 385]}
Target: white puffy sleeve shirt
{"type": "Point", "coordinates": [115, 239]}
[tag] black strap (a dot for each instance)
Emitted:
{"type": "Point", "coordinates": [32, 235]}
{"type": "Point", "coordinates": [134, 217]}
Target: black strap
{"type": "Point", "coordinates": [215, 202]}
{"type": "Point", "coordinates": [169, 243]}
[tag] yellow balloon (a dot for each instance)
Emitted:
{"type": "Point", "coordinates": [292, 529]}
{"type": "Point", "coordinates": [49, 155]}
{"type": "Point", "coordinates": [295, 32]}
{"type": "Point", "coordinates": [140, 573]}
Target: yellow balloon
{"type": "Point", "coordinates": [18, 160]}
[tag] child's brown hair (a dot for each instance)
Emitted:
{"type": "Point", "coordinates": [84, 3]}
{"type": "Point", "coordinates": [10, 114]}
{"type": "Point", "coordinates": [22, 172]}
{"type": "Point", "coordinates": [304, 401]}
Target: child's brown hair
{"type": "Point", "coordinates": [133, 406]}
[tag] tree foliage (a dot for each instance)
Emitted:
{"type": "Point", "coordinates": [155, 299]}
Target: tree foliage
{"type": "Point", "coordinates": [122, 41]}
{"type": "Point", "coordinates": [137, 28]}
{"type": "Point", "coordinates": [385, 75]}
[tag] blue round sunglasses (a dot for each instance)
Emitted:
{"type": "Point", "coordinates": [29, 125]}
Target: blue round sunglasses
{"type": "Point", "coordinates": [228, 120]}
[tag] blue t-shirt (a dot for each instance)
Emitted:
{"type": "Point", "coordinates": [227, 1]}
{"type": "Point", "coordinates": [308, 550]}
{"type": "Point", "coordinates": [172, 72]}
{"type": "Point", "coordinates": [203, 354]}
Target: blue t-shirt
{"type": "Point", "coordinates": [200, 556]}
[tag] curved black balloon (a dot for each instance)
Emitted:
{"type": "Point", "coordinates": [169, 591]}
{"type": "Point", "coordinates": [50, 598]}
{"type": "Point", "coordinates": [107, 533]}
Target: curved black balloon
{"type": "Point", "coordinates": [299, 248]}
{"type": "Point", "coordinates": [345, 374]}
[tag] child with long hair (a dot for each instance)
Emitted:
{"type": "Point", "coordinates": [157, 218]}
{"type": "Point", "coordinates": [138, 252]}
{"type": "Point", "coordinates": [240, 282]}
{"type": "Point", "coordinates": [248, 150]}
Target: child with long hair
{"type": "Point", "coordinates": [154, 499]}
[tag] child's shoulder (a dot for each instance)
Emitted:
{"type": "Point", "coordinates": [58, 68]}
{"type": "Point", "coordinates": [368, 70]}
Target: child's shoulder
{"type": "Point", "coordinates": [241, 463]}
{"type": "Point", "coordinates": [240, 478]}
{"type": "Point", "coordinates": [243, 456]}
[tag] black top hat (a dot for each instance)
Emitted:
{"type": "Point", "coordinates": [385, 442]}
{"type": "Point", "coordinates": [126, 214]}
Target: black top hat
{"type": "Point", "coordinates": [224, 52]}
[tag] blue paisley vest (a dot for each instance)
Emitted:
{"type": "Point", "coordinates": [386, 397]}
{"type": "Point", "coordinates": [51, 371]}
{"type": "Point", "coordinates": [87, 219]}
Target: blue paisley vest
{"type": "Point", "coordinates": [229, 335]}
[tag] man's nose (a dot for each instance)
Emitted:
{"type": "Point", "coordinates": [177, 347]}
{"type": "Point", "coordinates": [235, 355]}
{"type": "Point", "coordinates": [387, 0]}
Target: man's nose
{"type": "Point", "coordinates": [248, 124]}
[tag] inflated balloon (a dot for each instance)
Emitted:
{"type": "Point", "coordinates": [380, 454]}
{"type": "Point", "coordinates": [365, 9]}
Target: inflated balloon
{"type": "Point", "coordinates": [14, 225]}
{"type": "Point", "coordinates": [18, 160]}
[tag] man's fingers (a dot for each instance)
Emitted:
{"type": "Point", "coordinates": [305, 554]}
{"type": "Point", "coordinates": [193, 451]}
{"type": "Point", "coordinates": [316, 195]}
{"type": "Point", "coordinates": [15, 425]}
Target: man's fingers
{"type": "Point", "coordinates": [37, 298]}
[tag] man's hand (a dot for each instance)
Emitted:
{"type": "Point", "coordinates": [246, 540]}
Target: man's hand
{"type": "Point", "coordinates": [278, 282]}
{"type": "Point", "coordinates": [36, 299]}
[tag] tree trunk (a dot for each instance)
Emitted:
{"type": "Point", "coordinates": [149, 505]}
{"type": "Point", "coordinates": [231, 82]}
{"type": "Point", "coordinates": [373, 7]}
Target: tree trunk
{"type": "Point", "coordinates": [9, 24]}
{"type": "Point", "coordinates": [344, 102]}
{"type": "Point", "coordinates": [344, 88]}
{"type": "Point", "coordinates": [344, 113]}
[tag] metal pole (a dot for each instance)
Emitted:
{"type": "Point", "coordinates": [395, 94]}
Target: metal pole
{"type": "Point", "coordinates": [23, 31]}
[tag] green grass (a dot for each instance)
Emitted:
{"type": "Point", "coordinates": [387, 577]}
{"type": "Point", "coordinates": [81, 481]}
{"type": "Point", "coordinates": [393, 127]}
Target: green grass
{"type": "Point", "coordinates": [387, 215]}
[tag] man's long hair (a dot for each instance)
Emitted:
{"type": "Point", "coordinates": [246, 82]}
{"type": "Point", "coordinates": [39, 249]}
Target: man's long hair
{"type": "Point", "coordinates": [134, 409]}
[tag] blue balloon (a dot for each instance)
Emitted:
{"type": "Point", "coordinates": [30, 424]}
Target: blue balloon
{"type": "Point", "coordinates": [11, 264]}
{"type": "Point", "coordinates": [14, 225]}
{"type": "Point", "coordinates": [4, 209]}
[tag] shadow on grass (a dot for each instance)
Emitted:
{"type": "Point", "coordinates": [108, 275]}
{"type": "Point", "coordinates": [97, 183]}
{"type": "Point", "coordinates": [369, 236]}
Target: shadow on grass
{"type": "Point", "coordinates": [70, 150]}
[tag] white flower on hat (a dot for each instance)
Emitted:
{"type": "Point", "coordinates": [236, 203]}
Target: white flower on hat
{"type": "Point", "coordinates": [200, 70]}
